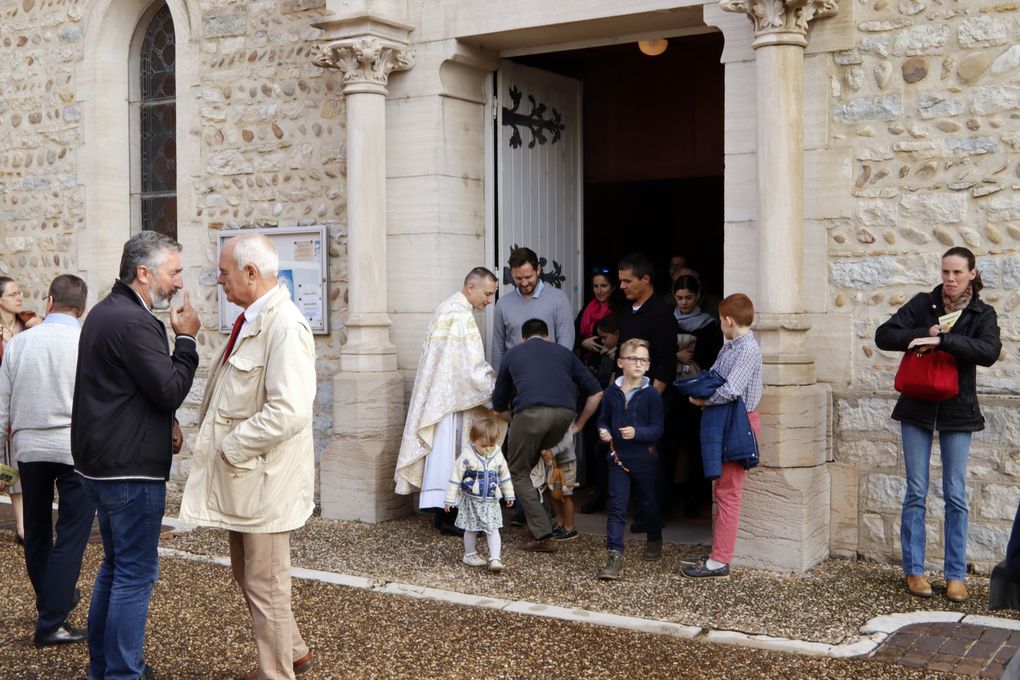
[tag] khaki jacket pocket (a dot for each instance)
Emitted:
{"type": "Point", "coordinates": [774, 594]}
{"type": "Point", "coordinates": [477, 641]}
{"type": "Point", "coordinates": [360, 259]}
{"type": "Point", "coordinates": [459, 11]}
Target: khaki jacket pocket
{"type": "Point", "coordinates": [237, 492]}
{"type": "Point", "coordinates": [242, 387]}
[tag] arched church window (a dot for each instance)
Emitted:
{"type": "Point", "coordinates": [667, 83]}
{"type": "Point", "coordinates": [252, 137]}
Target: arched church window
{"type": "Point", "coordinates": [156, 179]}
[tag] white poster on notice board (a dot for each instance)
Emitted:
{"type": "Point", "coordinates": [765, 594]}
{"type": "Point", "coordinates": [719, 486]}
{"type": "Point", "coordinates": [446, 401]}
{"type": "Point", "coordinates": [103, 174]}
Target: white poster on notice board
{"type": "Point", "coordinates": [304, 271]}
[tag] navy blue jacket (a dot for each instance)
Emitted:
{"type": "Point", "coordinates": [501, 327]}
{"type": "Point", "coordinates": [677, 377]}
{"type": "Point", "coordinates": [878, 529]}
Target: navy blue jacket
{"type": "Point", "coordinates": [643, 413]}
{"type": "Point", "coordinates": [544, 374]}
{"type": "Point", "coordinates": [726, 436]}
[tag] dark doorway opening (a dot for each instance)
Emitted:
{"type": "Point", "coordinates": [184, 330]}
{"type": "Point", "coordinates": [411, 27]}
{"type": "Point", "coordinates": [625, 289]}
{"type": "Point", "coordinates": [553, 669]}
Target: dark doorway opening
{"type": "Point", "coordinates": [653, 152]}
{"type": "Point", "coordinates": [653, 170]}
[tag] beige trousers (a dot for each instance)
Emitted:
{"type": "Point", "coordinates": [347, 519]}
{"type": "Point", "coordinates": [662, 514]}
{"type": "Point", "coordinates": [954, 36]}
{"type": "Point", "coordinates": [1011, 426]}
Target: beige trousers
{"type": "Point", "coordinates": [261, 566]}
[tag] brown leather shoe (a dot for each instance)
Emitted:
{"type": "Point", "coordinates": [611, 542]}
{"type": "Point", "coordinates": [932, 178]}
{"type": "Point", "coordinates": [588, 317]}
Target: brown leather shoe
{"type": "Point", "coordinates": [919, 586]}
{"type": "Point", "coordinates": [956, 591]}
{"type": "Point", "coordinates": [301, 665]}
{"type": "Point", "coordinates": [542, 545]}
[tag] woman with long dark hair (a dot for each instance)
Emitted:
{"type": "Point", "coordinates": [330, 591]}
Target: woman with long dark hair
{"type": "Point", "coordinates": [951, 318]}
{"type": "Point", "coordinates": [699, 339]}
{"type": "Point", "coordinates": [587, 344]}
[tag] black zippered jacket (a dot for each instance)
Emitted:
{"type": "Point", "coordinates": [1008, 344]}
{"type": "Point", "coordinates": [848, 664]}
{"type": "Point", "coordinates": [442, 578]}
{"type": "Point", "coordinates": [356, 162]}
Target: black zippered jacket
{"type": "Point", "coordinates": [126, 391]}
{"type": "Point", "coordinates": [973, 341]}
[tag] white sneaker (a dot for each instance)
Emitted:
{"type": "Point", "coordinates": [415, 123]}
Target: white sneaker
{"type": "Point", "coordinates": [473, 560]}
{"type": "Point", "coordinates": [495, 565]}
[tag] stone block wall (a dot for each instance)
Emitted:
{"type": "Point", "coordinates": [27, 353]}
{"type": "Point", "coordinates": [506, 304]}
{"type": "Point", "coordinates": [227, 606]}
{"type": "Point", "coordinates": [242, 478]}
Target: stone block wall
{"type": "Point", "coordinates": [928, 105]}
{"type": "Point", "coordinates": [41, 203]}
{"type": "Point", "coordinates": [270, 128]}
{"type": "Point", "coordinates": [267, 140]}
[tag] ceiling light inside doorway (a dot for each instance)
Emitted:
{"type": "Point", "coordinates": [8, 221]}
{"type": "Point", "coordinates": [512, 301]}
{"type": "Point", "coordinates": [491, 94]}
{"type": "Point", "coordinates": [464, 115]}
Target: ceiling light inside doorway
{"type": "Point", "coordinates": [653, 48]}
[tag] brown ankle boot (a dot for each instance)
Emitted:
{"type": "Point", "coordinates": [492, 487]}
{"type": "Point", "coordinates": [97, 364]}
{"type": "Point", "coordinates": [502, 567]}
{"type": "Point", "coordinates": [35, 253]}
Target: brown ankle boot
{"type": "Point", "coordinates": [956, 591]}
{"type": "Point", "coordinates": [919, 586]}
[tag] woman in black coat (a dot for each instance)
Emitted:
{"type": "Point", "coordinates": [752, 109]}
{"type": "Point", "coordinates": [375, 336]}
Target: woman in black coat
{"type": "Point", "coordinates": [973, 340]}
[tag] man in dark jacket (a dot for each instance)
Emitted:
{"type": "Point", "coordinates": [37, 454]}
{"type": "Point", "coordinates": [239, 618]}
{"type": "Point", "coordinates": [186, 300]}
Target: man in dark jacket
{"type": "Point", "coordinates": [547, 378]}
{"type": "Point", "coordinates": [648, 318]}
{"type": "Point", "coordinates": [123, 435]}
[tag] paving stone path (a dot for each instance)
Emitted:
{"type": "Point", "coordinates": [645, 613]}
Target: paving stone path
{"type": "Point", "coordinates": [961, 648]}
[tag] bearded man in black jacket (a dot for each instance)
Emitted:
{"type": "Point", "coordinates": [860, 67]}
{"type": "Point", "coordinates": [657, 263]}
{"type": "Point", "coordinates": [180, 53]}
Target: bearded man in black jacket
{"type": "Point", "coordinates": [123, 435]}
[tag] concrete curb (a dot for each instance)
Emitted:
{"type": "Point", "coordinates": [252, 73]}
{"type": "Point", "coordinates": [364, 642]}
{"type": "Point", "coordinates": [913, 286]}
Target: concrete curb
{"type": "Point", "coordinates": [875, 631]}
{"type": "Point", "coordinates": [775, 644]}
{"type": "Point", "coordinates": [634, 623]}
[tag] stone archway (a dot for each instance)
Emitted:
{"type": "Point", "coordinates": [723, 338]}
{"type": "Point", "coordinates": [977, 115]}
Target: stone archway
{"type": "Point", "coordinates": [104, 167]}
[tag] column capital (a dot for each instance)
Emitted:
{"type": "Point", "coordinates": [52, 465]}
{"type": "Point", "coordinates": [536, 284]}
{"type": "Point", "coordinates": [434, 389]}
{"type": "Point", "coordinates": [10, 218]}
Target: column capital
{"type": "Point", "coordinates": [781, 22]}
{"type": "Point", "coordinates": [366, 61]}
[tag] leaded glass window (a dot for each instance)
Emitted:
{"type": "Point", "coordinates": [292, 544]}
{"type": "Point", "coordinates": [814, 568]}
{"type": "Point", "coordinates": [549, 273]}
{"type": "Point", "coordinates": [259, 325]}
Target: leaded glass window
{"type": "Point", "coordinates": [158, 127]}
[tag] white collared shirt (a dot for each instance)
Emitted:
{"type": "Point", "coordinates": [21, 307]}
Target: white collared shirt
{"type": "Point", "coordinates": [253, 310]}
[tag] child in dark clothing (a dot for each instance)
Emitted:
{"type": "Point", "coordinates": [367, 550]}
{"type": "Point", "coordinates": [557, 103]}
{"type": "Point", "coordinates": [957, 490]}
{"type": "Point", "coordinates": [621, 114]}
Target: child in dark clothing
{"type": "Point", "coordinates": [594, 471]}
{"type": "Point", "coordinates": [631, 422]}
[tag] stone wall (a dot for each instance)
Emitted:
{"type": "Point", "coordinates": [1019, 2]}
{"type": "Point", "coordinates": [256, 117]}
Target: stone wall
{"type": "Point", "coordinates": [272, 155]}
{"type": "Point", "coordinates": [267, 138]}
{"type": "Point", "coordinates": [928, 104]}
{"type": "Point", "coordinates": [41, 203]}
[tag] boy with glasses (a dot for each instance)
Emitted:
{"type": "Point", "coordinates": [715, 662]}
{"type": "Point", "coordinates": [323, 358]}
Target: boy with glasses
{"type": "Point", "coordinates": [631, 423]}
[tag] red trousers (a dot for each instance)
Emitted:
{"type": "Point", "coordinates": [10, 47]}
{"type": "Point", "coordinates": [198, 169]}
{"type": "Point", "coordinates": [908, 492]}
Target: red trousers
{"type": "Point", "coordinates": [728, 490]}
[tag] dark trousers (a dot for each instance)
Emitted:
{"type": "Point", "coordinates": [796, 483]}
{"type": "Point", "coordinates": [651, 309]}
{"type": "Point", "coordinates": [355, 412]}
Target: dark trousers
{"type": "Point", "coordinates": [531, 431]}
{"type": "Point", "coordinates": [664, 487]}
{"type": "Point", "coordinates": [54, 566]}
{"type": "Point", "coordinates": [639, 477]}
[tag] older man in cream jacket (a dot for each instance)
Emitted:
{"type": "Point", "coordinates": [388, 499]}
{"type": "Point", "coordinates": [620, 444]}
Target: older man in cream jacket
{"type": "Point", "coordinates": [254, 469]}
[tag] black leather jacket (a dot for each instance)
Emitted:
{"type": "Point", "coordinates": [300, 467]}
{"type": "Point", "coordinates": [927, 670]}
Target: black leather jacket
{"type": "Point", "coordinates": [973, 341]}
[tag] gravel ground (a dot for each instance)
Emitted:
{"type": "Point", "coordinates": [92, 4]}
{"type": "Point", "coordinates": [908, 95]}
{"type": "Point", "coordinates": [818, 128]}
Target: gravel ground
{"type": "Point", "coordinates": [828, 604]}
{"type": "Point", "coordinates": [198, 629]}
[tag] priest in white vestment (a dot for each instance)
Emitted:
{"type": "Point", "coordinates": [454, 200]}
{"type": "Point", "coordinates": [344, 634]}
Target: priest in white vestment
{"type": "Point", "coordinates": [453, 378]}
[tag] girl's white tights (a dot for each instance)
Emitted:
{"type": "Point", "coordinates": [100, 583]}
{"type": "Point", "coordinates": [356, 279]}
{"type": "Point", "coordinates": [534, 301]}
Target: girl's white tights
{"type": "Point", "coordinates": [491, 537]}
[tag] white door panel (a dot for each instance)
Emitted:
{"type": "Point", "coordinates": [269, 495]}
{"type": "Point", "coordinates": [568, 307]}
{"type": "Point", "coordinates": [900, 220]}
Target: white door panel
{"type": "Point", "coordinates": [539, 181]}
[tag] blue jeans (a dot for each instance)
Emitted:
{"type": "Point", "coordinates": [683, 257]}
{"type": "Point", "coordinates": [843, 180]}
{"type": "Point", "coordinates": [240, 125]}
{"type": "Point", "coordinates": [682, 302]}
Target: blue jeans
{"type": "Point", "coordinates": [954, 447]}
{"type": "Point", "coordinates": [641, 479]}
{"type": "Point", "coordinates": [130, 513]}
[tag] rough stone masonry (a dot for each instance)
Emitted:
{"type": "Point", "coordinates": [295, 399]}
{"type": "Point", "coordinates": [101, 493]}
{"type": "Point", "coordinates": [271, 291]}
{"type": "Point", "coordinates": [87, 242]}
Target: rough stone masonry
{"type": "Point", "coordinates": [929, 104]}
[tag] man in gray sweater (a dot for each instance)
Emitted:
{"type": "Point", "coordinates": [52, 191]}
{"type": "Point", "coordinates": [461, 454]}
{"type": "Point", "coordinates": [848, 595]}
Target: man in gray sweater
{"type": "Point", "coordinates": [36, 389]}
{"type": "Point", "coordinates": [530, 299]}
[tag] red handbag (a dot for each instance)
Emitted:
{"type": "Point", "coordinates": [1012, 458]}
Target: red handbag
{"type": "Point", "coordinates": [930, 376]}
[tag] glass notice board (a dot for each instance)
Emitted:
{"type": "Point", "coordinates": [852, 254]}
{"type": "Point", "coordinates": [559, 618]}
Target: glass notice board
{"type": "Point", "coordinates": [304, 271]}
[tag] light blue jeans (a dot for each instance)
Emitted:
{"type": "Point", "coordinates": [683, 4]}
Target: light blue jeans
{"type": "Point", "coordinates": [955, 447]}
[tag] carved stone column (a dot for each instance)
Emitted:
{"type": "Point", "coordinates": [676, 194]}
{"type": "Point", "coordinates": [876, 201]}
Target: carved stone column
{"type": "Point", "coordinates": [356, 470]}
{"type": "Point", "coordinates": [785, 521]}
{"type": "Point", "coordinates": [366, 64]}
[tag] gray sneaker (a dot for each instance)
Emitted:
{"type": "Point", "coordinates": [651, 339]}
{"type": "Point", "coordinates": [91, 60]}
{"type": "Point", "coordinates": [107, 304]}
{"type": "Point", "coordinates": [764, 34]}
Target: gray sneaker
{"type": "Point", "coordinates": [614, 565]}
{"type": "Point", "coordinates": [653, 551]}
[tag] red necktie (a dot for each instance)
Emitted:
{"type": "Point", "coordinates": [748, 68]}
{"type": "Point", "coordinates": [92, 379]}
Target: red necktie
{"type": "Point", "coordinates": [233, 336]}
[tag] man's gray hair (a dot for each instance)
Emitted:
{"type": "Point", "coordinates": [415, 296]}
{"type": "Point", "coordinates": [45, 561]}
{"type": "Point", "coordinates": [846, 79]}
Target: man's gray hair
{"type": "Point", "coordinates": [145, 249]}
{"type": "Point", "coordinates": [258, 251]}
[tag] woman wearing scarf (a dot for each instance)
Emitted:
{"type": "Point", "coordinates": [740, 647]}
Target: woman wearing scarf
{"type": "Point", "coordinates": [591, 470]}
{"type": "Point", "coordinates": [587, 344]}
{"type": "Point", "coordinates": [953, 319]}
{"type": "Point", "coordinates": [699, 339]}
{"type": "Point", "coordinates": [699, 336]}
